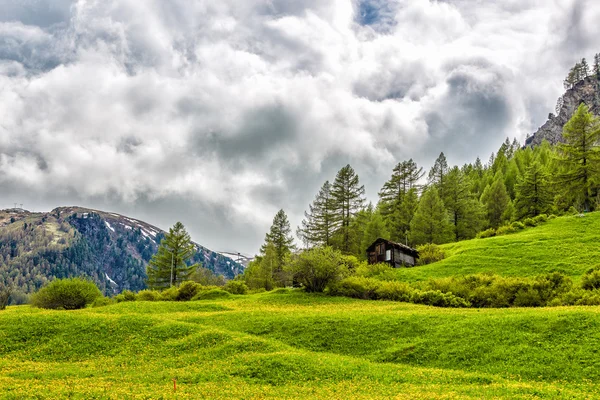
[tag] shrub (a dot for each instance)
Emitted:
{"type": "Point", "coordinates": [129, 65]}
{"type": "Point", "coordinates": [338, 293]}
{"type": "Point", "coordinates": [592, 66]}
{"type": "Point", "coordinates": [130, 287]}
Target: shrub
{"type": "Point", "coordinates": [527, 298]}
{"type": "Point", "coordinates": [187, 290]}
{"type": "Point", "coordinates": [148, 295]}
{"type": "Point", "coordinates": [429, 253]}
{"type": "Point", "coordinates": [68, 294]}
{"type": "Point", "coordinates": [211, 294]}
{"type": "Point", "coordinates": [395, 291]}
{"type": "Point", "coordinates": [529, 222]}
{"type": "Point", "coordinates": [591, 279]}
{"type": "Point", "coordinates": [486, 234]}
{"type": "Point", "coordinates": [317, 268]}
{"type": "Point", "coordinates": [438, 299]}
{"type": "Point", "coordinates": [236, 287]}
{"type": "Point", "coordinates": [101, 302]}
{"type": "Point", "coordinates": [551, 216]}
{"type": "Point", "coordinates": [5, 292]}
{"type": "Point", "coordinates": [540, 218]}
{"type": "Point", "coordinates": [371, 270]}
{"type": "Point", "coordinates": [505, 230]}
{"type": "Point", "coordinates": [125, 295]}
{"type": "Point", "coordinates": [357, 287]}
{"type": "Point", "coordinates": [518, 225]}
{"type": "Point", "coordinates": [169, 294]}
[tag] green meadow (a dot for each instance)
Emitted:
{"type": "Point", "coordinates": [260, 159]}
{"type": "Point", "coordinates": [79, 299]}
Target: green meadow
{"type": "Point", "coordinates": [570, 245]}
{"type": "Point", "coordinates": [288, 344]}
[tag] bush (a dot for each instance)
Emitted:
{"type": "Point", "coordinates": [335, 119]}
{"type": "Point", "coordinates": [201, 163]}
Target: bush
{"type": "Point", "coordinates": [68, 294]}
{"type": "Point", "coordinates": [529, 222]}
{"type": "Point", "coordinates": [438, 299]}
{"type": "Point", "coordinates": [169, 294]}
{"type": "Point", "coordinates": [317, 268]}
{"type": "Point", "coordinates": [357, 287]}
{"type": "Point", "coordinates": [395, 291]}
{"type": "Point", "coordinates": [236, 287]}
{"type": "Point", "coordinates": [371, 270]}
{"type": "Point", "coordinates": [591, 279]}
{"type": "Point", "coordinates": [518, 225]}
{"type": "Point", "coordinates": [148, 295]}
{"type": "Point", "coordinates": [430, 253]}
{"type": "Point", "coordinates": [187, 290]}
{"type": "Point", "coordinates": [486, 234]}
{"type": "Point", "coordinates": [125, 295]}
{"type": "Point", "coordinates": [212, 294]}
{"type": "Point", "coordinates": [540, 219]}
{"type": "Point", "coordinates": [5, 292]}
{"type": "Point", "coordinates": [505, 230]}
{"type": "Point", "coordinates": [551, 216]}
{"type": "Point", "coordinates": [102, 302]}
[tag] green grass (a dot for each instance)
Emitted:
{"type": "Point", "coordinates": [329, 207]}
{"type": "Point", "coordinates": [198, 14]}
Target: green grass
{"type": "Point", "coordinates": [566, 244]}
{"type": "Point", "coordinates": [294, 345]}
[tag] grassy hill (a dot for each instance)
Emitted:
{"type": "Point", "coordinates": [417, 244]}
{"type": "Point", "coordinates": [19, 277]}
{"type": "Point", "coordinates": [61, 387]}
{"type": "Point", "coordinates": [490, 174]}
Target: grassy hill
{"type": "Point", "coordinates": [567, 244]}
{"type": "Point", "coordinates": [287, 344]}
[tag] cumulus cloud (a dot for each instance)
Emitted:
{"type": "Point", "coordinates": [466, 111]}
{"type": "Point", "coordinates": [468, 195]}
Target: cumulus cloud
{"type": "Point", "coordinates": [220, 113]}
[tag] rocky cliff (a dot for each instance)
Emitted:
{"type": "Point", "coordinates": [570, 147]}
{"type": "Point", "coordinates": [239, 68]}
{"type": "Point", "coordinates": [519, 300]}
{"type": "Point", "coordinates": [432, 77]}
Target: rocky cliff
{"type": "Point", "coordinates": [585, 91]}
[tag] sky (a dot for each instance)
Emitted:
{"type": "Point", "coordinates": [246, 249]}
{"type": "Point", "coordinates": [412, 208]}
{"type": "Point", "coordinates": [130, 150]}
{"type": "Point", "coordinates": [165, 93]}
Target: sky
{"type": "Point", "coordinates": [218, 114]}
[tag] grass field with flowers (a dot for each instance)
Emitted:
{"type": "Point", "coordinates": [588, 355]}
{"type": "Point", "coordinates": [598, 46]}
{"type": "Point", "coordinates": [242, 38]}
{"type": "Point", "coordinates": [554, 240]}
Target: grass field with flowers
{"type": "Point", "coordinates": [288, 344]}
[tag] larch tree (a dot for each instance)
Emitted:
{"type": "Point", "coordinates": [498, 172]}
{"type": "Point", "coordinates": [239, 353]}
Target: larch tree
{"type": "Point", "coordinates": [579, 156]}
{"type": "Point", "coordinates": [375, 229]}
{"type": "Point", "coordinates": [348, 198]}
{"type": "Point", "coordinates": [169, 266]}
{"type": "Point", "coordinates": [430, 223]}
{"type": "Point", "coordinates": [318, 224]}
{"type": "Point", "coordinates": [495, 200]}
{"type": "Point", "coordinates": [465, 211]}
{"type": "Point", "coordinates": [533, 192]}
{"type": "Point", "coordinates": [437, 174]}
{"type": "Point", "coordinates": [280, 237]}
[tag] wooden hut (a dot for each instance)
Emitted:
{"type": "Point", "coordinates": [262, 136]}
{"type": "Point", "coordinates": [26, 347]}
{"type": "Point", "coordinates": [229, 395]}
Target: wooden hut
{"type": "Point", "coordinates": [396, 254]}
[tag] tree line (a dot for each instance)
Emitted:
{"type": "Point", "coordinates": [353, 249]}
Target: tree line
{"type": "Point", "coordinates": [449, 203]}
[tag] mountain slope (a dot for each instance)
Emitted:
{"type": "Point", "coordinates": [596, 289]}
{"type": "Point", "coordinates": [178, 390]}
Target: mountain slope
{"type": "Point", "coordinates": [565, 244]}
{"type": "Point", "coordinates": [585, 91]}
{"type": "Point", "coordinates": [110, 248]}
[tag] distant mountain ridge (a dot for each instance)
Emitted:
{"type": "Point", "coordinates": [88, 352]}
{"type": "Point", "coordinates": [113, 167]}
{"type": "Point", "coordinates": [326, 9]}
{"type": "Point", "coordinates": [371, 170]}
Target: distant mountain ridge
{"type": "Point", "coordinates": [585, 91]}
{"type": "Point", "coordinates": [109, 248]}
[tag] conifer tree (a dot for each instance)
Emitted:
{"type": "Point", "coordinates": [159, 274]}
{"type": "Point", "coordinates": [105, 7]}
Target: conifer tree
{"type": "Point", "coordinates": [437, 174]}
{"type": "Point", "coordinates": [347, 199]}
{"type": "Point", "coordinates": [374, 230]}
{"type": "Point", "coordinates": [465, 211]}
{"type": "Point", "coordinates": [580, 156]}
{"type": "Point", "coordinates": [169, 266]}
{"type": "Point", "coordinates": [584, 69]}
{"type": "Point", "coordinates": [318, 224]}
{"type": "Point", "coordinates": [495, 200]}
{"type": "Point", "coordinates": [533, 193]}
{"type": "Point", "coordinates": [280, 236]}
{"type": "Point", "coordinates": [430, 223]}
{"type": "Point", "coordinates": [399, 224]}
{"type": "Point", "coordinates": [596, 70]}
{"type": "Point", "coordinates": [259, 273]}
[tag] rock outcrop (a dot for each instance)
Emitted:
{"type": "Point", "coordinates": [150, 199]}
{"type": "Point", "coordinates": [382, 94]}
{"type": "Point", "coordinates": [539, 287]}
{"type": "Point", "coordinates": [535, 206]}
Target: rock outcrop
{"type": "Point", "coordinates": [586, 91]}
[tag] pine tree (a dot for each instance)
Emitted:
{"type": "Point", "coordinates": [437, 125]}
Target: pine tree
{"type": "Point", "coordinates": [169, 266]}
{"type": "Point", "coordinates": [584, 69]}
{"type": "Point", "coordinates": [495, 200]}
{"type": "Point", "coordinates": [465, 212]}
{"type": "Point", "coordinates": [347, 199]}
{"type": "Point", "coordinates": [280, 236]}
{"type": "Point", "coordinates": [374, 230]}
{"type": "Point", "coordinates": [318, 224]}
{"type": "Point", "coordinates": [596, 70]}
{"type": "Point", "coordinates": [580, 156]}
{"type": "Point", "coordinates": [399, 222]}
{"type": "Point", "coordinates": [430, 223]}
{"type": "Point", "coordinates": [437, 174]}
{"type": "Point", "coordinates": [533, 193]}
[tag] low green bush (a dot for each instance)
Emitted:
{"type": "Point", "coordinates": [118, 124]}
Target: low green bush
{"type": "Point", "coordinates": [102, 302]}
{"type": "Point", "coordinates": [591, 279]}
{"type": "Point", "coordinates": [529, 222]}
{"type": "Point", "coordinates": [236, 287]}
{"type": "Point", "coordinates": [169, 294]}
{"type": "Point", "coordinates": [317, 268]}
{"type": "Point", "coordinates": [67, 294]}
{"type": "Point", "coordinates": [518, 225]}
{"type": "Point", "coordinates": [371, 270]}
{"type": "Point", "coordinates": [430, 253]}
{"type": "Point", "coordinates": [540, 219]}
{"type": "Point", "coordinates": [187, 290]}
{"type": "Point", "coordinates": [125, 295]}
{"type": "Point", "coordinates": [438, 299]}
{"type": "Point", "coordinates": [505, 230]}
{"type": "Point", "coordinates": [486, 234]}
{"type": "Point", "coordinates": [551, 216]}
{"type": "Point", "coordinates": [211, 294]}
{"type": "Point", "coordinates": [148, 295]}
{"type": "Point", "coordinates": [358, 287]}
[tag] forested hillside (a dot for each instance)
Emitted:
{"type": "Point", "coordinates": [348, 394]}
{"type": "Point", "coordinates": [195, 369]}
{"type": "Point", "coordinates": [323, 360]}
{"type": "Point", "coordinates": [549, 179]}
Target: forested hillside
{"type": "Point", "coordinates": [111, 249]}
